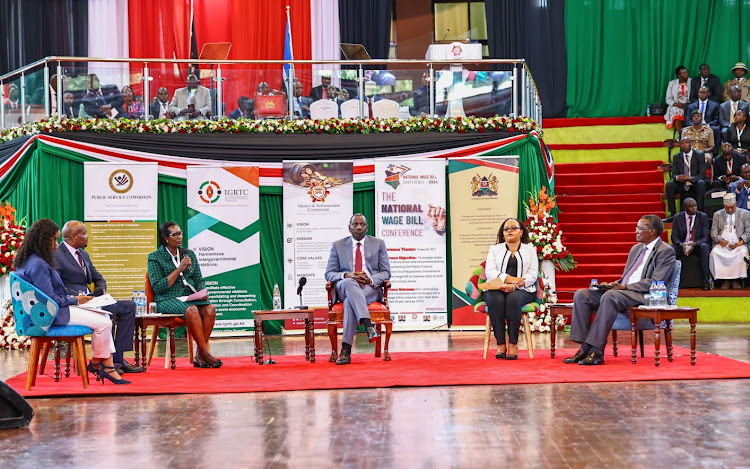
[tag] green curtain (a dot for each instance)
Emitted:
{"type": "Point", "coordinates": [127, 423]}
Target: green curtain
{"type": "Point", "coordinates": [623, 53]}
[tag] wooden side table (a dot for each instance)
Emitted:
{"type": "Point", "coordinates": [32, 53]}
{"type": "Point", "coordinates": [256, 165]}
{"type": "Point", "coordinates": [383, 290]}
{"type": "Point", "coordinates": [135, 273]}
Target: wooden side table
{"type": "Point", "coordinates": [664, 314]}
{"type": "Point", "coordinates": [307, 314]}
{"type": "Point", "coordinates": [142, 323]}
{"type": "Point", "coordinates": [555, 309]}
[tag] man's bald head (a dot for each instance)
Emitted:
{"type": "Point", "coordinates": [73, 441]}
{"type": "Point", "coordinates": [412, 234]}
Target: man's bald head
{"type": "Point", "coordinates": [74, 234]}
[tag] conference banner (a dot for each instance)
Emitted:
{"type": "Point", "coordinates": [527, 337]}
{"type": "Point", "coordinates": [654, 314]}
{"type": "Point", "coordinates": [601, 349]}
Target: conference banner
{"type": "Point", "coordinates": [410, 214]}
{"type": "Point", "coordinates": [120, 204]}
{"type": "Point", "coordinates": [224, 232]}
{"type": "Point", "coordinates": [483, 193]}
{"type": "Point", "coordinates": [318, 203]}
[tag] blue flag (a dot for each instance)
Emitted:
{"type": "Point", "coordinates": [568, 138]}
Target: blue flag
{"type": "Point", "coordinates": [288, 51]}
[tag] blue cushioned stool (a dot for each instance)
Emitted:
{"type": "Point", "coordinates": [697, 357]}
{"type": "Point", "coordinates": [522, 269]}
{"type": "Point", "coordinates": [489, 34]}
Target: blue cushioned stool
{"type": "Point", "coordinates": [34, 313]}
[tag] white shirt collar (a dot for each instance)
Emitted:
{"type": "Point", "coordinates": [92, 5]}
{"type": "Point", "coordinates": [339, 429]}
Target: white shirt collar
{"type": "Point", "coordinates": [362, 241]}
{"type": "Point", "coordinates": [71, 249]}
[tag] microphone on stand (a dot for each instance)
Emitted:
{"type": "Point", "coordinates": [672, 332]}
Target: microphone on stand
{"type": "Point", "coordinates": [447, 30]}
{"type": "Point", "coordinates": [302, 283]}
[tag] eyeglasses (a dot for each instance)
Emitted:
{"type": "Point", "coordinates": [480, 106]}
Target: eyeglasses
{"type": "Point", "coordinates": [508, 229]}
{"type": "Point", "coordinates": [175, 234]}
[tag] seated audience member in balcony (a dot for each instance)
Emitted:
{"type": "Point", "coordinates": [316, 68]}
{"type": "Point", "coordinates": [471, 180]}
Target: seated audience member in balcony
{"type": "Point", "coordinates": [191, 102]}
{"type": "Point", "coordinates": [688, 175]}
{"type": "Point", "coordinates": [701, 136]}
{"type": "Point", "coordinates": [690, 236]}
{"type": "Point", "coordinates": [727, 167]}
{"type": "Point", "coordinates": [160, 108]}
{"type": "Point", "coordinates": [133, 109]}
{"type": "Point", "coordinates": [70, 110]}
{"type": "Point", "coordinates": [321, 91]}
{"type": "Point", "coordinates": [301, 103]}
{"type": "Point", "coordinates": [650, 260]}
{"type": "Point", "coordinates": [103, 102]}
{"type": "Point", "coordinates": [739, 71]}
{"type": "Point", "coordinates": [241, 111]}
{"type": "Point", "coordinates": [728, 110]}
{"type": "Point", "coordinates": [742, 187]}
{"type": "Point", "coordinates": [709, 111]}
{"type": "Point", "coordinates": [709, 81]}
{"type": "Point", "coordinates": [730, 232]}
{"type": "Point", "coordinates": [738, 134]}
{"type": "Point", "coordinates": [678, 93]}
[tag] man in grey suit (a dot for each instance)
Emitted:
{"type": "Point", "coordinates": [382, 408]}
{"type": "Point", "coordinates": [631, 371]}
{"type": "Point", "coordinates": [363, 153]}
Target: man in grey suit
{"type": "Point", "coordinates": [728, 109]}
{"type": "Point", "coordinates": [192, 101]}
{"type": "Point", "coordinates": [358, 265]}
{"type": "Point", "coordinates": [650, 260]}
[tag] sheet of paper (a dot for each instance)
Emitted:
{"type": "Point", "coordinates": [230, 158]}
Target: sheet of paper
{"type": "Point", "coordinates": [96, 310]}
{"type": "Point", "coordinates": [99, 301]}
{"type": "Point", "coordinates": [199, 295]}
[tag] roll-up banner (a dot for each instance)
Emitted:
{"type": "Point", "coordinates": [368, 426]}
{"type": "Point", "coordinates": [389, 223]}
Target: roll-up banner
{"type": "Point", "coordinates": [224, 232]}
{"type": "Point", "coordinates": [410, 214]}
{"type": "Point", "coordinates": [483, 193]}
{"type": "Point", "coordinates": [120, 204]}
{"type": "Point", "coordinates": [318, 203]}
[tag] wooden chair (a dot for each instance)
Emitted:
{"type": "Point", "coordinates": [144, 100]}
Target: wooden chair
{"type": "Point", "coordinates": [380, 315]}
{"type": "Point", "coordinates": [155, 333]}
{"type": "Point", "coordinates": [34, 313]}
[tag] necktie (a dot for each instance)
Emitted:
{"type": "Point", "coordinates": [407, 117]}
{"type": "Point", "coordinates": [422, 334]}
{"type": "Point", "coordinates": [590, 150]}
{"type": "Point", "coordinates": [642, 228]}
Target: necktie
{"type": "Point", "coordinates": [325, 93]}
{"type": "Point", "coordinates": [691, 229]}
{"type": "Point", "coordinates": [635, 266]}
{"type": "Point", "coordinates": [80, 261]}
{"type": "Point", "coordinates": [686, 170]}
{"type": "Point", "coordinates": [703, 114]}
{"type": "Point", "coordinates": [734, 109]}
{"type": "Point", "coordinates": [358, 260]}
{"type": "Point", "coordinates": [682, 90]}
{"type": "Point", "coordinates": [369, 108]}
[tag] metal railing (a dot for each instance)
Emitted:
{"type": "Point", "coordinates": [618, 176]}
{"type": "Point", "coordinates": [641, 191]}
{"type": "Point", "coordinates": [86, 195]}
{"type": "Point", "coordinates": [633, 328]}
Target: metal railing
{"type": "Point", "coordinates": [511, 92]}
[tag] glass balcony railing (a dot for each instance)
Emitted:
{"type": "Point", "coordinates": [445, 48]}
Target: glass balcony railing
{"type": "Point", "coordinates": [252, 89]}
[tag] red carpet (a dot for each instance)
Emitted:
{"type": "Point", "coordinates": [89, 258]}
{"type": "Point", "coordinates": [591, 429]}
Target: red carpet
{"type": "Point", "coordinates": [291, 373]}
{"type": "Point", "coordinates": [600, 204]}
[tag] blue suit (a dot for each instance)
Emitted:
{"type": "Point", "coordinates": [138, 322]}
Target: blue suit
{"type": "Point", "coordinates": [39, 273]}
{"type": "Point", "coordinates": [348, 290]}
{"type": "Point", "coordinates": [75, 279]}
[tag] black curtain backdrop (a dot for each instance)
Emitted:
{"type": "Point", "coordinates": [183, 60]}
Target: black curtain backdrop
{"type": "Point", "coordinates": [535, 31]}
{"type": "Point", "coordinates": [367, 22]}
{"type": "Point", "coordinates": [33, 29]}
{"type": "Point", "coordinates": [267, 148]}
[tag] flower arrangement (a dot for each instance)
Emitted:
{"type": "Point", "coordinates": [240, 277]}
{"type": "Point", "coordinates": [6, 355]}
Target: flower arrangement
{"type": "Point", "coordinates": [277, 126]}
{"type": "Point", "coordinates": [11, 236]}
{"type": "Point", "coordinates": [542, 321]}
{"type": "Point", "coordinates": [544, 232]}
{"type": "Point", "coordinates": [9, 340]}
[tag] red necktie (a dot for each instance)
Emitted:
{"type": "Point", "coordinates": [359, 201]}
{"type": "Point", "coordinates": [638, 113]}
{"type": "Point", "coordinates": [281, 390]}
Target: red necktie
{"type": "Point", "coordinates": [358, 260]}
{"type": "Point", "coordinates": [691, 229]}
{"type": "Point", "coordinates": [80, 261]}
{"type": "Point", "coordinates": [729, 167]}
{"type": "Point", "coordinates": [682, 90]}
{"type": "Point", "coordinates": [325, 93]}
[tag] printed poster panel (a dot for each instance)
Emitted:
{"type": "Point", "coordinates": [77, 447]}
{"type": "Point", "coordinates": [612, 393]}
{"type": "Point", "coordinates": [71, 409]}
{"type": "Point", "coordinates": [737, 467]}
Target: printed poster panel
{"type": "Point", "coordinates": [411, 218]}
{"type": "Point", "coordinates": [224, 232]}
{"type": "Point", "coordinates": [483, 193]}
{"type": "Point", "coordinates": [318, 203]}
{"type": "Point", "coordinates": [120, 191]}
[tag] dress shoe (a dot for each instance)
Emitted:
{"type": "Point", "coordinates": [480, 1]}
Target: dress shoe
{"type": "Point", "coordinates": [500, 355]}
{"type": "Point", "coordinates": [345, 358]}
{"type": "Point", "coordinates": [706, 285]}
{"type": "Point", "coordinates": [372, 334]}
{"type": "Point", "coordinates": [129, 368]}
{"type": "Point", "coordinates": [736, 285]}
{"type": "Point", "coordinates": [725, 285]}
{"type": "Point", "coordinates": [580, 355]}
{"type": "Point", "coordinates": [594, 357]}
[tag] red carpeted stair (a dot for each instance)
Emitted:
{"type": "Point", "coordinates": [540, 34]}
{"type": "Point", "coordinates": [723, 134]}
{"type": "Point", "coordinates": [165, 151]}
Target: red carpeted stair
{"type": "Point", "coordinates": [600, 204]}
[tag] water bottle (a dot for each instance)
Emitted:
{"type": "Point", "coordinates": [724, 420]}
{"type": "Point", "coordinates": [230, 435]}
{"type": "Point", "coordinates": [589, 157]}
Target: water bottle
{"type": "Point", "coordinates": [142, 302]}
{"type": "Point", "coordinates": [648, 110]}
{"type": "Point", "coordinates": [135, 299]}
{"type": "Point", "coordinates": [276, 297]}
{"type": "Point", "coordinates": [652, 295]}
{"type": "Point", "coordinates": [662, 294]}
{"type": "Point", "coordinates": [594, 283]}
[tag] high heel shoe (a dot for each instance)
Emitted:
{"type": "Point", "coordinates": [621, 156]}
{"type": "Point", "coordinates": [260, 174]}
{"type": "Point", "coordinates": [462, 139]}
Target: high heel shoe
{"type": "Point", "coordinates": [104, 374]}
{"type": "Point", "coordinates": [94, 369]}
{"type": "Point", "coordinates": [217, 364]}
{"type": "Point", "coordinates": [199, 364]}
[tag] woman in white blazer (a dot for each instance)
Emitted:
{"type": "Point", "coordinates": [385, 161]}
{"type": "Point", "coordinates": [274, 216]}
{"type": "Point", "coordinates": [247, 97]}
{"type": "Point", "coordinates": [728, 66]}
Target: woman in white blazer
{"type": "Point", "coordinates": [513, 260]}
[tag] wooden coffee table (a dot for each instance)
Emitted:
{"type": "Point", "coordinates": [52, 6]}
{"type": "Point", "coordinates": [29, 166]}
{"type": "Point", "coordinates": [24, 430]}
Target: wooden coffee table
{"type": "Point", "coordinates": [664, 314]}
{"type": "Point", "coordinates": [307, 314]}
{"type": "Point", "coordinates": [555, 309]}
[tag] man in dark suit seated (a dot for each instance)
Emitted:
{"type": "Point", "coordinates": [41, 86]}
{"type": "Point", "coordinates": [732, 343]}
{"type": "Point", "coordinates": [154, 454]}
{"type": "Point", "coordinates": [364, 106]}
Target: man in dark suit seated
{"type": "Point", "coordinates": [727, 167]}
{"type": "Point", "coordinates": [159, 108]}
{"type": "Point", "coordinates": [77, 272]}
{"type": "Point", "coordinates": [301, 103]}
{"type": "Point", "coordinates": [103, 102]}
{"type": "Point", "coordinates": [650, 260]}
{"type": "Point", "coordinates": [709, 81]}
{"type": "Point", "coordinates": [321, 91]}
{"type": "Point", "coordinates": [688, 175]}
{"type": "Point", "coordinates": [242, 109]}
{"type": "Point", "coordinates": [728, 109]}
{"type": "Point", "coordinates": [70, 110]}
{"type": "Point", "coordinates": [358, 265]}
{"type": "Point", "coordinates": [690, 235]}
{"type": "Point", "coordinates": [709, 112]}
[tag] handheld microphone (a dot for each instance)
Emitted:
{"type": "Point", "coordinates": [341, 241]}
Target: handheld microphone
{"type": "Point", "coordinates": [302, 283]}
{"type": "Point", "coordinates": [98, 291]}
{"type": "Point", "coordinates": [447, 30]}
{"type": "Point", "coordinates": [183, 253]}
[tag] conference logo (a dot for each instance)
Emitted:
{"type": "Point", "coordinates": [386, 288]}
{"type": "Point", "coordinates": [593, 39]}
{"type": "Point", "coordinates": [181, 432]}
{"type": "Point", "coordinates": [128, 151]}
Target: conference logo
{"type": "Point", "coordinates": [484, 186]}
{"type": "Point", "coordinates": [121, 181]}
{"type": "Point", "coordinates": [209, 192]}
{"type": "Point", "coordinates": [457, 50]}
{"type": "Point", "coordinates": [393, 174]}
{"type": "Point", "coordinates": [318, 191]}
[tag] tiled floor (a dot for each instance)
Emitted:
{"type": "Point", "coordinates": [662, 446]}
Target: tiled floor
{"type": "Point", "coordinates": [645, 424]}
